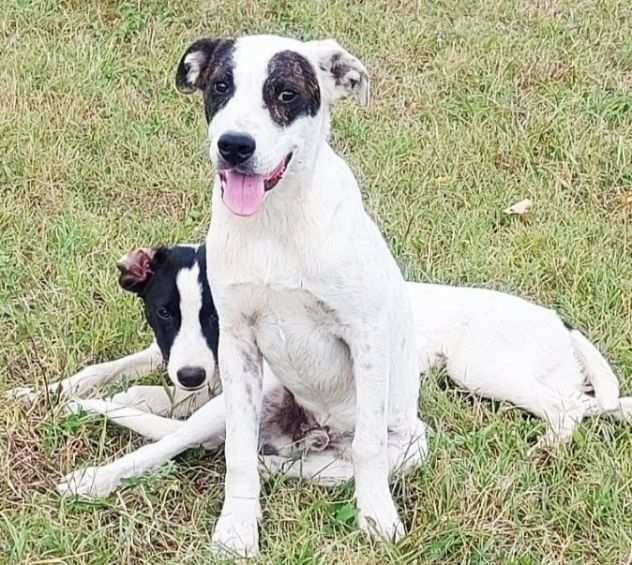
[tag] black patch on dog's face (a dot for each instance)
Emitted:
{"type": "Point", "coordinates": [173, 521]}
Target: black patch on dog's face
{"type": "Point", "coordinates": [162, 298]}
{"type": "Point", "coordinates": [208, 315]}
{"type": "Point", "coordinates": [218, 79]}
{"type": "Point", "coordinates": [291, 88]}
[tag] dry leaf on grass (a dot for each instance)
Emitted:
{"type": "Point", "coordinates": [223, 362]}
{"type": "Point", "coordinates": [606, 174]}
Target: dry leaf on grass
{"type": "Point", "coordinates": [519, 208]}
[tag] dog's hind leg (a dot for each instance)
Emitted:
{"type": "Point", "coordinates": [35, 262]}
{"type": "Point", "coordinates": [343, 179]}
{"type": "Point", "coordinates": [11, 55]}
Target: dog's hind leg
{"type": "Point", "coordinates": [330, 468]}
{"type": "Point", "coordinates": [562, 416]}
{"type": "Point", "coordinates": [325, 468]}
{"type": "Point", "coordinates": [558, 432]}
{"type": "Point", "coordinates": [622, 413]}
{"type": "Point", "coordinates": [165, 401]}
{"type": "Point", "coordinates": [204, 428]}
{"type": "Point", "coordinates": [148, 425]}
{"type": "Point", "coordinates": [406, 453]}
{"type": "Point", "coordinates": [85, 381]}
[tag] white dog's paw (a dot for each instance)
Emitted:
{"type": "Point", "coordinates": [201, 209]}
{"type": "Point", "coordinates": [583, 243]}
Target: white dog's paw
{"type": "Point", "coordinates": [379, 518]}
{"type": "Point", "coordinates": [23, 393]}
{"type": "Point", "coordinates": [236, 535]}
{"type": "Point", "coordinates": [408, 450]}
{"type": "Point", "coordinates": [91, 482]}
{"type": "Point", "coordinates": [72, 407]}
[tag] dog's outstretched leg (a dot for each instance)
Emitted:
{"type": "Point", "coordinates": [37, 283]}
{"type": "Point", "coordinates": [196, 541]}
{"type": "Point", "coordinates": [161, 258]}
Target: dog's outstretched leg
{"type": "Point", "coordinates": [205, 427]}
{"type": "Point", "coordinates": [621, 413]}
{"type": "Point", "coordinates": [407, 452]}
{"type": "Point", "coordinates": [325, 468]}
{"type": "Point", "coordinates": [94, 376]}
{"type": "Point", "coordinates": [148, 425]}
{"type": "Point", "coordinates": [562, 417]}
{"type": "Point", "coordinates": [164, 401]}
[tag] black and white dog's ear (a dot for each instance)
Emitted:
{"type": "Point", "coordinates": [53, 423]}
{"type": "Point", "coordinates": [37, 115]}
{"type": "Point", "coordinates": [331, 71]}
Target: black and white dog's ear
{"type": "Point", "coordinates": [193, 71]}
{"type": "Point", "coordinates": [342, 74]}
{"type": "Point", "coordinates": [136, 269]}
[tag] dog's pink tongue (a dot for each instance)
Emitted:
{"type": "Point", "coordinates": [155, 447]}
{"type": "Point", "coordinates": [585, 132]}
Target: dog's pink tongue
{"type": "Point", "coordinates": [243, 194]}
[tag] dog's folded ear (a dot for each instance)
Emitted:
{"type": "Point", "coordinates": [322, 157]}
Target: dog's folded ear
{"type": "Point", "coordinates": [193, 71]}
{"type": "Point", "coordinates": [136, 269]}
{"type": "Point", "coordinates": [342, 74]}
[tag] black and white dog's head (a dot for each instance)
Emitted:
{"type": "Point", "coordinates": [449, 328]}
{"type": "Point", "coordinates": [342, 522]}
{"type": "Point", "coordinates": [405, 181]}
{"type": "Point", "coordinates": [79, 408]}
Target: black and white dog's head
{"type": "Point", "coordinates": [266, 100]}
{"type": "Point", "coordinates": [173, 285]}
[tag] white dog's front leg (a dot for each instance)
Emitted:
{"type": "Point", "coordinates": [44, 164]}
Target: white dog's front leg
{"type": "Point", "coordinates": [377, 514]}
{"type": "Point", "coordinates": [236, 531]}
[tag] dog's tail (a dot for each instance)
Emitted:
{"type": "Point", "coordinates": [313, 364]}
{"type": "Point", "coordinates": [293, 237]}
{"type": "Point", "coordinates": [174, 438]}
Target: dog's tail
{"type": "Point", "coordinates": [598, 372]}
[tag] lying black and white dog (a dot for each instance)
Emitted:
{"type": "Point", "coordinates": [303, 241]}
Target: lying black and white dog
{"type": "Point", "coordinates": [552, 369]}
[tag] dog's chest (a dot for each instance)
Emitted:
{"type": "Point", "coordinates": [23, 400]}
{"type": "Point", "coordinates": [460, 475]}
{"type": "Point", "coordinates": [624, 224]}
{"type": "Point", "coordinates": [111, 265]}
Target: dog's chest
{"type": "Point", "coordinates": [297, 334]}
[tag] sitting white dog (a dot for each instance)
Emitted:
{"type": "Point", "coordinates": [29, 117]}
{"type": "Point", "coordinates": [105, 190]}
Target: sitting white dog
{"type": "Point", "coordinates": [300, 274]}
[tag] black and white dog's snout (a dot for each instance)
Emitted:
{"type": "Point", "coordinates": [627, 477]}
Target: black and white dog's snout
{"type": "Point", "coordinates": [191, 377]}
{"type": "Point", "coordinates": [236, 148]}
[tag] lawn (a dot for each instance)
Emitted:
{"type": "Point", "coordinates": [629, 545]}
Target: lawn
{"type": "Point", "coordinates": [475, 105]}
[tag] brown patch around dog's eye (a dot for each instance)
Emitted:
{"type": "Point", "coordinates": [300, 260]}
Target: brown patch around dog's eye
{"type": "Point", "coordinates": [290, 73]}
{"type": "Point", "coordinates": [219, 80]}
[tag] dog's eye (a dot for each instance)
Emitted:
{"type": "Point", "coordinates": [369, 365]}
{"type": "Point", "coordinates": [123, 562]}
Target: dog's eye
{"type": "Point", "coordinates": [163, 313]}
{"type": "Point", "coordinates": [287, 96]}
{"type": "Point", "coordinates": [221, 87]}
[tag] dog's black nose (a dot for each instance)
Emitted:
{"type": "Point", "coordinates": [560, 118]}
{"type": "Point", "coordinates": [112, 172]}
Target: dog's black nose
{"type": "Point", "coordinates": [235, 148]}
{"type": "Point", "coordinates": [191, 377]}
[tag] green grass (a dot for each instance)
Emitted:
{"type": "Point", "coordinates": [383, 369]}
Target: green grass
{"type": "Point", "coordinates": [475, 105]}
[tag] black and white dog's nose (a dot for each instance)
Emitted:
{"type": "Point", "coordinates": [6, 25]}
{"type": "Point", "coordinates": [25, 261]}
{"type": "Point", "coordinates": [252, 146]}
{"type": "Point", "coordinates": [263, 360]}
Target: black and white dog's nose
{"type": "Point", "coordinates": [235, 148]}
{"type": "Point", "coordinates": [191, 377]}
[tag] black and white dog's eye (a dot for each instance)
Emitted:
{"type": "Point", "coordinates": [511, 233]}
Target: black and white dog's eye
{"type": "Point", "coordinates": [287, 96]}
{"type": "Point", "coordinates": [163, 313]}
{"type": "Point", "coordinates": [221, 87]}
